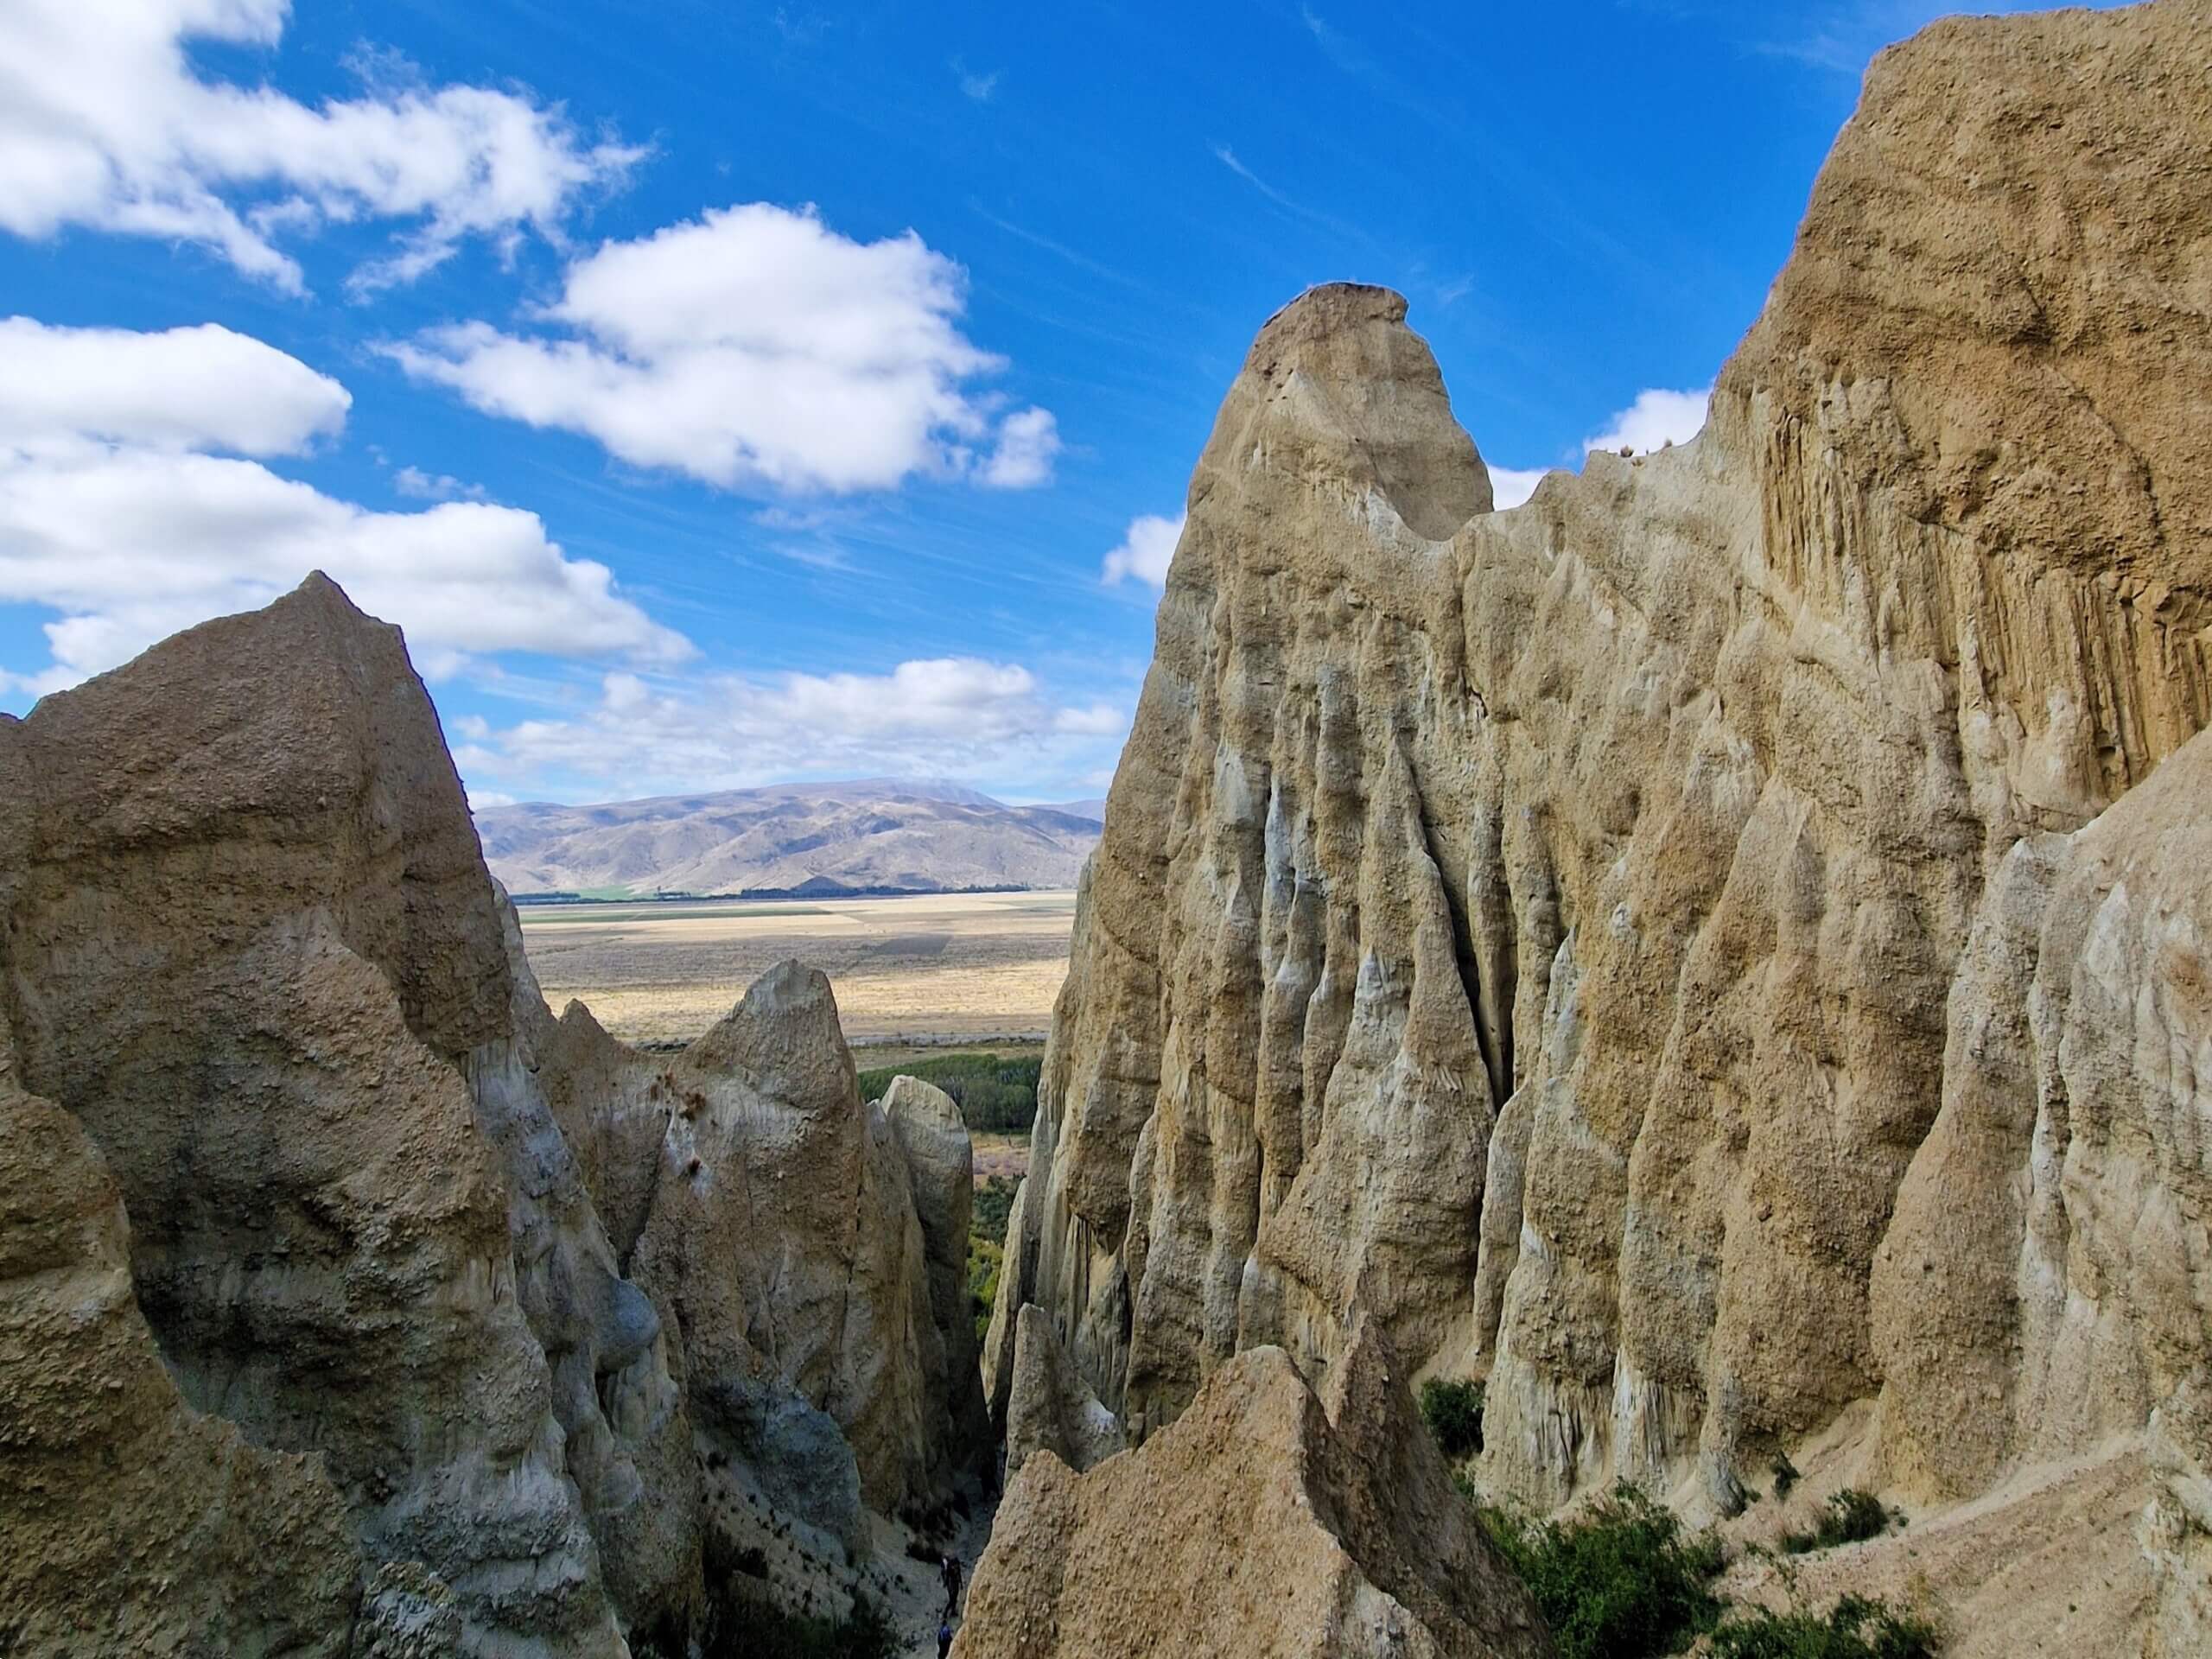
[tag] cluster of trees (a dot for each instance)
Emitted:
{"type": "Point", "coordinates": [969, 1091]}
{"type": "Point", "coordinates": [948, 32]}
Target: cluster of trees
{"type": "Point", "coordinates": [997, 1095]}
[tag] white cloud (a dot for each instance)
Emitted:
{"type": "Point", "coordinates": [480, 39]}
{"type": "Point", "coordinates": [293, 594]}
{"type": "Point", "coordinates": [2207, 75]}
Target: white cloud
{"type": "Point", "coordinates": [755, 348]}
{"type": "Point", "coordinates": [104, 122]}
{"type": "Point", "coordinates": [954, 717]}
{"type": "Point", "coordinates": [117, 509]}
{"type": "Point", "coordinates": [187, 389]}
{"type": "Point", "coordinates": [483, 800]}
{"type": "Point", "coordinates": [1028, 442]}
{"type": "Point", "coordinates": [1511, 485]}
{"type": "Point", "coordinates": [1146, 550]}
{"type": "Point", "coordinates": [418, 484]}
{"type": "Point", "coordinates": [1099, 720]}
{"type": "Point", "coordinates": [978, 87]}
{"type": "Point", "coordinates": [1655, 419]}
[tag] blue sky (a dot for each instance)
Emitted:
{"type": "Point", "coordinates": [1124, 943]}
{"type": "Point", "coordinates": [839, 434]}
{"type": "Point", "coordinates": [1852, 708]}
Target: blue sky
{"type": "Point", "coordinates": [723, 393]}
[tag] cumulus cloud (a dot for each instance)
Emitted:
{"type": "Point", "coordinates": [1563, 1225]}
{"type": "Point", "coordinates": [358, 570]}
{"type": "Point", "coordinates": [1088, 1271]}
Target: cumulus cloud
{"type": "Point", "coordinates": [105, 124]}
{"type": "Point", "coordinates": [1655, 420]}
{"type": "Point", "coordinates": [1146, 550]}
{"type": "Point", "coordinates": [1028, 442]}
{"type": "Point", "coordinates": [1511, 485]}
{"type": "Point", "coordinates": [947, 716]}
{"type": "Point", "coordinates": [186, 388]}
{"type": "Point", "coordinates": [755, 348]}
{"type": "Point", "coordinates": [127, 507]}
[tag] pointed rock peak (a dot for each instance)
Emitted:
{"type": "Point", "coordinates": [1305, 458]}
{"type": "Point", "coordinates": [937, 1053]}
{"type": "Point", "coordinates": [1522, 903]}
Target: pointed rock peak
{"type": "Point", "coordinates": [785, 1039]}
{"type": "Point", "coordinates": [1365, 1389]}
{"type": "Point", "coordinates": [577, 1019]}
{"type": "Point", "coordinates": [1337, 385]}
{"type": "Point", "coordinates": [910, 1100]}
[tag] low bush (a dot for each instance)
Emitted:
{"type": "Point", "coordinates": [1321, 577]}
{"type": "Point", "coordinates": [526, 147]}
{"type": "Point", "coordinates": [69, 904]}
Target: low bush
{"type": "Point", "coordinates": [995, 1095]}
{"type": "Point", "coordinates": [1851, 1517]}
{"type": "Point", "coordinates": [1854, 1628]}
{"type": "Point", "coordinates": [984, 1261]}
{"type": "Point", "coordinates": [994, 1206]}
{"type": "Point", "coordinates": [1621, 1582]}
{"type": "Point", "coordinates": [1453, 1412]}
{"type": "Point", "coordinates": [1785, 1474]}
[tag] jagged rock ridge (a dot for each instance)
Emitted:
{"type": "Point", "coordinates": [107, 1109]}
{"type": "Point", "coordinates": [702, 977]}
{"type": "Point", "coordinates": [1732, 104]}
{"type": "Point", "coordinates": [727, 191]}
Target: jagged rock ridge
{"type": "Point", "coordinates": [1701, 949]}
{"type": "Point", "coordinates": [449, 1298]}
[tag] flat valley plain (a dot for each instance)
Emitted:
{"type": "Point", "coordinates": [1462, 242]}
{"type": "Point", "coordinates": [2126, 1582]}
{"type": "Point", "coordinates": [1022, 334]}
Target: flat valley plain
{"type": "Point", "coordinates": [922, 972]}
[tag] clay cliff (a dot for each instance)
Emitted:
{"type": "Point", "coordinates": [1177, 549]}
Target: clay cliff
{"type": "Point", "coordinates": [423, 1316]}
{"type": "Point", "coordinates": [1715, 950]}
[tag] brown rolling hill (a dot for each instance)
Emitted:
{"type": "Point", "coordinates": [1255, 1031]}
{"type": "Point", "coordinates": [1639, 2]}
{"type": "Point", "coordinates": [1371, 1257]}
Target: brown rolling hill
{"type": "Point", "coordinates": [876, 833]}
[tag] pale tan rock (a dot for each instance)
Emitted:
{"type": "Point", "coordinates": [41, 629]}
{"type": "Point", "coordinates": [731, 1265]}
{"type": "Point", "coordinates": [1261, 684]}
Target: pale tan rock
{"type": "Point", "coordinates": [1050, 1407]}
{"type": "Point", "coordinates": [388, 1208]}
{"type": "Point", "coordinates": [1537, 928]}
{"type": "Point", "coordinates": [783, 1231]}
{"type": "Point", "coordinates": [250, 946]}
{"type": "Point", "coordinates": [941, 1175]}
{"type": "Point", "coordinates": [1266, 1520]}
{"type": "Point", "coordinates": [628, 1442]}
{"type": "Point", "coordinates": [132, 1523]}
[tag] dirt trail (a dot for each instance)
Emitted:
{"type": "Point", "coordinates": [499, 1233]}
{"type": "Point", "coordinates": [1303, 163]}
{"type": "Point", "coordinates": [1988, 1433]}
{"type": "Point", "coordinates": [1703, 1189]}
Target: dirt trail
{"type": "Point", "coordinates": [917, 1602]}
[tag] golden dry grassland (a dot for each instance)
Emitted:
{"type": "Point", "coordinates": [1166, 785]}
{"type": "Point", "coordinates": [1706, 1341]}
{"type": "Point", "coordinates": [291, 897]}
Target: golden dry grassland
{"type": "Point", "coordinates": [916, 971]}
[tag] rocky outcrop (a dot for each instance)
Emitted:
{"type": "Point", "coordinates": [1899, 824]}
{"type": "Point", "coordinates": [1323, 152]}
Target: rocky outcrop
{"type": "Point", "coordinates": [1697, 950]}
{"type": "Point", "coordinates": [1050, 1407]}
{"type": "Point", "coordinates": [251, 948]}
{"type": "Point", "coordinates": [1268, 1520]}
{"type": "Point", "coordinates": [251, 953]}
{"type": "Point", "coordinates": [783, 1230]}
{"type": "Point", "coordinates": [941, 1173]}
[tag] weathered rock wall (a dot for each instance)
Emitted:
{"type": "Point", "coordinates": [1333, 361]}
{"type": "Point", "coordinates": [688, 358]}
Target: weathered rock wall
{"type": "Point", "coordinates": [1601, 941]}
{"type": "Point", "coordinates": [133, 1524]}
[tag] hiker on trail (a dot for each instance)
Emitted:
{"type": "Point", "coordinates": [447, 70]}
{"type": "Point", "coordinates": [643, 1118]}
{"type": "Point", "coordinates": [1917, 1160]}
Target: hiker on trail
{"type": "Point", "coordinates": [944, 1640]}
{"type": "Point", "coordinates": [951, 1574]}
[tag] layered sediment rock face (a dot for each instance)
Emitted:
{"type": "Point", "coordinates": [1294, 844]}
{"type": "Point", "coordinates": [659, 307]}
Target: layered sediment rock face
{"type": "Point", "coordinates": [1268, 1520]}
{"type": "Point", "coordinates": [1715, 945]}
{"type": "Point", "coordinates": [251, 953]}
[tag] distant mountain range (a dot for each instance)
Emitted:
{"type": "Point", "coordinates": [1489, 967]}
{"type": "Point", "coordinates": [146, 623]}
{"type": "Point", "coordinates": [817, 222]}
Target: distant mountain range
{"type": "Point", "coordinates": [876, 835]}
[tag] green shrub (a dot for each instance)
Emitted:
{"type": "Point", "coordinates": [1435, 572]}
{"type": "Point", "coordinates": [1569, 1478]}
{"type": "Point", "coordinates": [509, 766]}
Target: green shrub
{"type": "Point", "coordinates": [1621, 1582]}
{"type": "Point", "coordinates": [1855, 1628]}
{"type": "Point", "coordinates": [994, 1204]}
{"type": "Point", "coordinates": [1785, 1474]}
{"type": "Point", "coordinates": [1453, 1412]}
{"type": "Point", "coordinates": [1852, 1516]}
{"type": "Point", "coordinates": [984, 1261]}
{"type": "Point", "coordinates": [995, 1095]}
